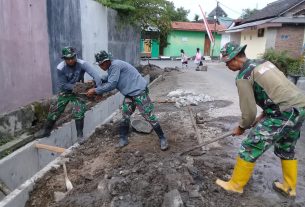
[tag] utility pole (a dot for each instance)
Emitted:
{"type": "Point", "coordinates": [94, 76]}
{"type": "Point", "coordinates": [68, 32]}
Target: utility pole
{"type": "Point", "coordinates": [215, 19]}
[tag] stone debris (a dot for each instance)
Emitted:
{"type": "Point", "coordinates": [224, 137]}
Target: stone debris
{"type": "Point", "coordinates": [186, 98]}
{"type": "Point", "coordinates": [172, 199]}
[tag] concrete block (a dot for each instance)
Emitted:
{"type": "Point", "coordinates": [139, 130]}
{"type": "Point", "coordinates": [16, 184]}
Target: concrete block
{"type": "Point", "coordinates": [73, 131]}
{"type": "Point", "coordinates": [19, 166]}
{"type": "Point", "coordinates": [88, 124]}
{"type": "Point", "coordinates": [61, 137]}
{"type": "Point", "coordinates": [18, 197]}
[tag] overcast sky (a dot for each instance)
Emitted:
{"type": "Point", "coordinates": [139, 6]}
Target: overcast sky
{"type": "Point", "coordinates": [232, 7]}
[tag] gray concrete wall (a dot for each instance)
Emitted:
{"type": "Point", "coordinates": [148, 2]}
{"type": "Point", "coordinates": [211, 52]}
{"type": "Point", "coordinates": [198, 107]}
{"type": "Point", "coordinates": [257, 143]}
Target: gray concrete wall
{"type": "Point", "coordinates": [64, 25]}
{"type": "Point", "coordinates": [123, 41]}
{"type": "Point", "coordinates": [94, 30]}
{"type": "Point", "coordinates": [24, 53]}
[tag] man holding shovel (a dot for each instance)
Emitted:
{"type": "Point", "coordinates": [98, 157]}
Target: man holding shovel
{"type": "Point", "coordinates": [126, 78]}
{"type": "Point", "coordinates": [261, 83]}
{"type": "Point", "coordinates": [70, 71]}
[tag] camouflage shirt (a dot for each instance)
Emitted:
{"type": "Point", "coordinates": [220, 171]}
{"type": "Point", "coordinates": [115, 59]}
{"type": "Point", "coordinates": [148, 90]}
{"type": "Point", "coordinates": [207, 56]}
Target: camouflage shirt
{"type": "Point", "coordinates": [261, 83]}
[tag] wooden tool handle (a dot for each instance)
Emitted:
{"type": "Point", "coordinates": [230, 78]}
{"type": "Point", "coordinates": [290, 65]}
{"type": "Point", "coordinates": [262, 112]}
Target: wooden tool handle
{"type": "Point", "coordinates": [50, 148]}
{"type": "Point", "coordinates": [206, 143]}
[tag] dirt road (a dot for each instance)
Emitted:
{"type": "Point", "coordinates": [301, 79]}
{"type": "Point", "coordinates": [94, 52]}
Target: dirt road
{"type": "Point", "coordinates": [142, 175]}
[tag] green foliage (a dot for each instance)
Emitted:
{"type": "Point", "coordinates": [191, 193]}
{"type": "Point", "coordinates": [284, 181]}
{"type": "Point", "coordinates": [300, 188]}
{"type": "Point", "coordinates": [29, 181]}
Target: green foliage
{"type": "Point", "coordinates": [287, 64]}
{"type": "Point", "coordinates": [149, 13]}
{"type": "Point", "coordinates": [196, 18]}
{"type": "Point", "coordinates": [246, 13]}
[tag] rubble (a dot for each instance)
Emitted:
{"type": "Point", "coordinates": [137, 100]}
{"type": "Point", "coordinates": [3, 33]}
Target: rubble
{"type": "Point", "coordinates": [186, 98]}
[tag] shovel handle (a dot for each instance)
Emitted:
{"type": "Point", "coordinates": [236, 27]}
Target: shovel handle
{"type": "Point", "coordinates": [50, 148]}
{"type": "Point", "coordinates": [206, 143]}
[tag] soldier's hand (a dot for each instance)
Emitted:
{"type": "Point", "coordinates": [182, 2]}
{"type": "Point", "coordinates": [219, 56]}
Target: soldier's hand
{"type": "Point", "coordinates": [91, 92]}
{"type": "Point", "coordinates": [238, 131]}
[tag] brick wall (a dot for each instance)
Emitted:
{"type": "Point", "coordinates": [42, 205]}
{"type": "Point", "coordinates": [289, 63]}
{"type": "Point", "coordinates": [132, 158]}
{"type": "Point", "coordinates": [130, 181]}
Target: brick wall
{"type": "Point", "coordinates": [290, 39]}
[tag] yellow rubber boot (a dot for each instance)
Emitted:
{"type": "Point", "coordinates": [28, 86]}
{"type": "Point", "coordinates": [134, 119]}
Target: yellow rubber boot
{"type": "Point", "coordinates": [290, 174]}
{"type": "Point", "coordinates": [240, 177]}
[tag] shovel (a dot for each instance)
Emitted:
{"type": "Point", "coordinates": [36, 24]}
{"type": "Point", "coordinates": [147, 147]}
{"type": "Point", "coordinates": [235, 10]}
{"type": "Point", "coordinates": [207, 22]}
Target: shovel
{"type": "Point", "coordinates": [208, 142]}
{"type": "Point", "coordinates": [69, 185]}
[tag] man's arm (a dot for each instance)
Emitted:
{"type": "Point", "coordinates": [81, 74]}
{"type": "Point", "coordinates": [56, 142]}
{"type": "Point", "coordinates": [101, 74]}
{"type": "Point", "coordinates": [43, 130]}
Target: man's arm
{"type": "Point", "coordinates": [113, 79]}
{"type": "Point", "coordinates": [92, 72]}
{"type": "Point", "coordinates": [63, 82]}
{"type": "Point", "coordinates": [247, 103]}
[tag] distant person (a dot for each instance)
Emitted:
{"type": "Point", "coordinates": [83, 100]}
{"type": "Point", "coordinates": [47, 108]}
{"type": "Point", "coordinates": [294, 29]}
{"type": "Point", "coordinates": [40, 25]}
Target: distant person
{"type": "Point", "coordinates": [184, 58]}
{"type": "Point", "coordinates": [70, 71]}
{"type": "Point", "coordinates": [126, 78]}
{"type": "Point", "coordinates": [198, 58]}
{"type": "Point", "coordinates": [261, 83]}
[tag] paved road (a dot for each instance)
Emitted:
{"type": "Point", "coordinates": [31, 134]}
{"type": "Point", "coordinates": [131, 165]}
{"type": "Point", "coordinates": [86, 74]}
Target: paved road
{"type": "Point", "coordinates": [218, 82]}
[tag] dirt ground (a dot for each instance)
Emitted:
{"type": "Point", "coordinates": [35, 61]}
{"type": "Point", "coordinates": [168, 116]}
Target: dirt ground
{"type": "Point", "coordinates": [142, 175]}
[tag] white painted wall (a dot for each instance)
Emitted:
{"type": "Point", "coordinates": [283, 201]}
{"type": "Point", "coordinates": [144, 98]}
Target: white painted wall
{"type": "Point", "coordinates": [94, 29]}
{"type": "Point", "coordinates": [256, 45]}
{"type": "Point", "coordinates": [225, 38]}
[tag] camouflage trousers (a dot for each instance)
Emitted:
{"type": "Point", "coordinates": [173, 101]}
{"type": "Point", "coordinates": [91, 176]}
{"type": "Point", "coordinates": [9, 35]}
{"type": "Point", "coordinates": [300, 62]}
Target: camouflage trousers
{"type": "Point", "coordinates": [58, 107]}
{"type": "Point", "coordinates": [144, 105]}
{"type": "Point", "coordinates": [281, 131]}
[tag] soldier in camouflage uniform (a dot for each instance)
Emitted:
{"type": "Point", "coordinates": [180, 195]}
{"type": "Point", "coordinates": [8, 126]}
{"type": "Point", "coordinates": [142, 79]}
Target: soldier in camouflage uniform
{"type": "Point", "coordinates": [260, 83]}
{"type": "Point", "coordinates": [70, 71]}
{"type": "Point", "coordinates": [125, 78]}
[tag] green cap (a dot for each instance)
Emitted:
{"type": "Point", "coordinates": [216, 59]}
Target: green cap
{"type": "Point", "coordinates": [230, 50]}
{"type": "Point", "coordinates": [68, 52]}
{"type": "Point", "coordinates": [102, 56]}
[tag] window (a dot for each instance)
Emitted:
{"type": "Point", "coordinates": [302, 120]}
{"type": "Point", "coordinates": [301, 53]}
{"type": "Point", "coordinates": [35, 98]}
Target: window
{"type": "Point", "coordinates": [284, 37]}
{"type": "Point", "coordinates": [260, 32]}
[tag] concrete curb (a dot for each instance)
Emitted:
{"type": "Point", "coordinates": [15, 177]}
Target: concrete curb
{"type": "Point", "coordinates": [22, 168]}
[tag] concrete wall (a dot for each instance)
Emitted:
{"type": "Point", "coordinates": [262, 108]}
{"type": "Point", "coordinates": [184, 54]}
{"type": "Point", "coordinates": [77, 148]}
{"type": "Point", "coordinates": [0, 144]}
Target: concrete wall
{"type": "Point", "coordinates": [189, 41]}
{"type": "Point", "coordinates": [235, 37]}
{"type": "Point", "coordinates": [256, 45]}
{"type": "Point", "coordinates": [186, 40]}
{"type": "Point", "coordinates": [24, 53]}
{"type": "Point", "coordinates": [123, 41]}
{"type": "Point", "coordinates": [94, 31]}
{"type": "Point", "coordinates": [290, 39]}
{"type": "Point", "coordinates": [33, 34]}
{"type": "Point", "coordinates": [225, 38]}
{"type": "Point", "coordinates": [64, 24]}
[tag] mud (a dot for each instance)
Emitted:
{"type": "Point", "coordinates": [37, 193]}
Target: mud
{"type": "Point", "coordinates": [142, 175]}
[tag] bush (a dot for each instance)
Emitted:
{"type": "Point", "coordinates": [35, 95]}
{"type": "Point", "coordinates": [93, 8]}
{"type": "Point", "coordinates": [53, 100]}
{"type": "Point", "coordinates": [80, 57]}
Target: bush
{"type": "Point", "coordinates": [287, 64]}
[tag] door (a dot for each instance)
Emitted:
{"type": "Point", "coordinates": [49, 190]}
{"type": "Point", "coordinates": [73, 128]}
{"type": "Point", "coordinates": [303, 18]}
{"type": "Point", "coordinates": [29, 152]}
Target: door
{"type": "Point", "coordinates": [207, 45]}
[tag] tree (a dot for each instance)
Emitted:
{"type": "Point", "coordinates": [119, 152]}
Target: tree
{"type": "Point", "coordinates": [246, 13]}
{"type": "Point", "coordinates": [196, 18]}
{"type": "Point", "coordinates": [149, 13]}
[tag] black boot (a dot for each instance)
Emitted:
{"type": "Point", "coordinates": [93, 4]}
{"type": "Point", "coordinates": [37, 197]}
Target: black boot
{"type": "Point", "coordinates": [124, 129]}
{"type": "Point", "coordinates": [79, 124]}
{"type": "Point", "coordinates": [163, 139]}
{"type": "Point", "coordinates": [46, 130]}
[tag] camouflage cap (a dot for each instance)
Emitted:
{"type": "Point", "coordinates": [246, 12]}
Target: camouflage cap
{"type": "Point", "coordinates": [230, 50]}
{"type": "Point", "coordinates": [68, 52]}
{"type": "Point", "coordinates": [102, 56]}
